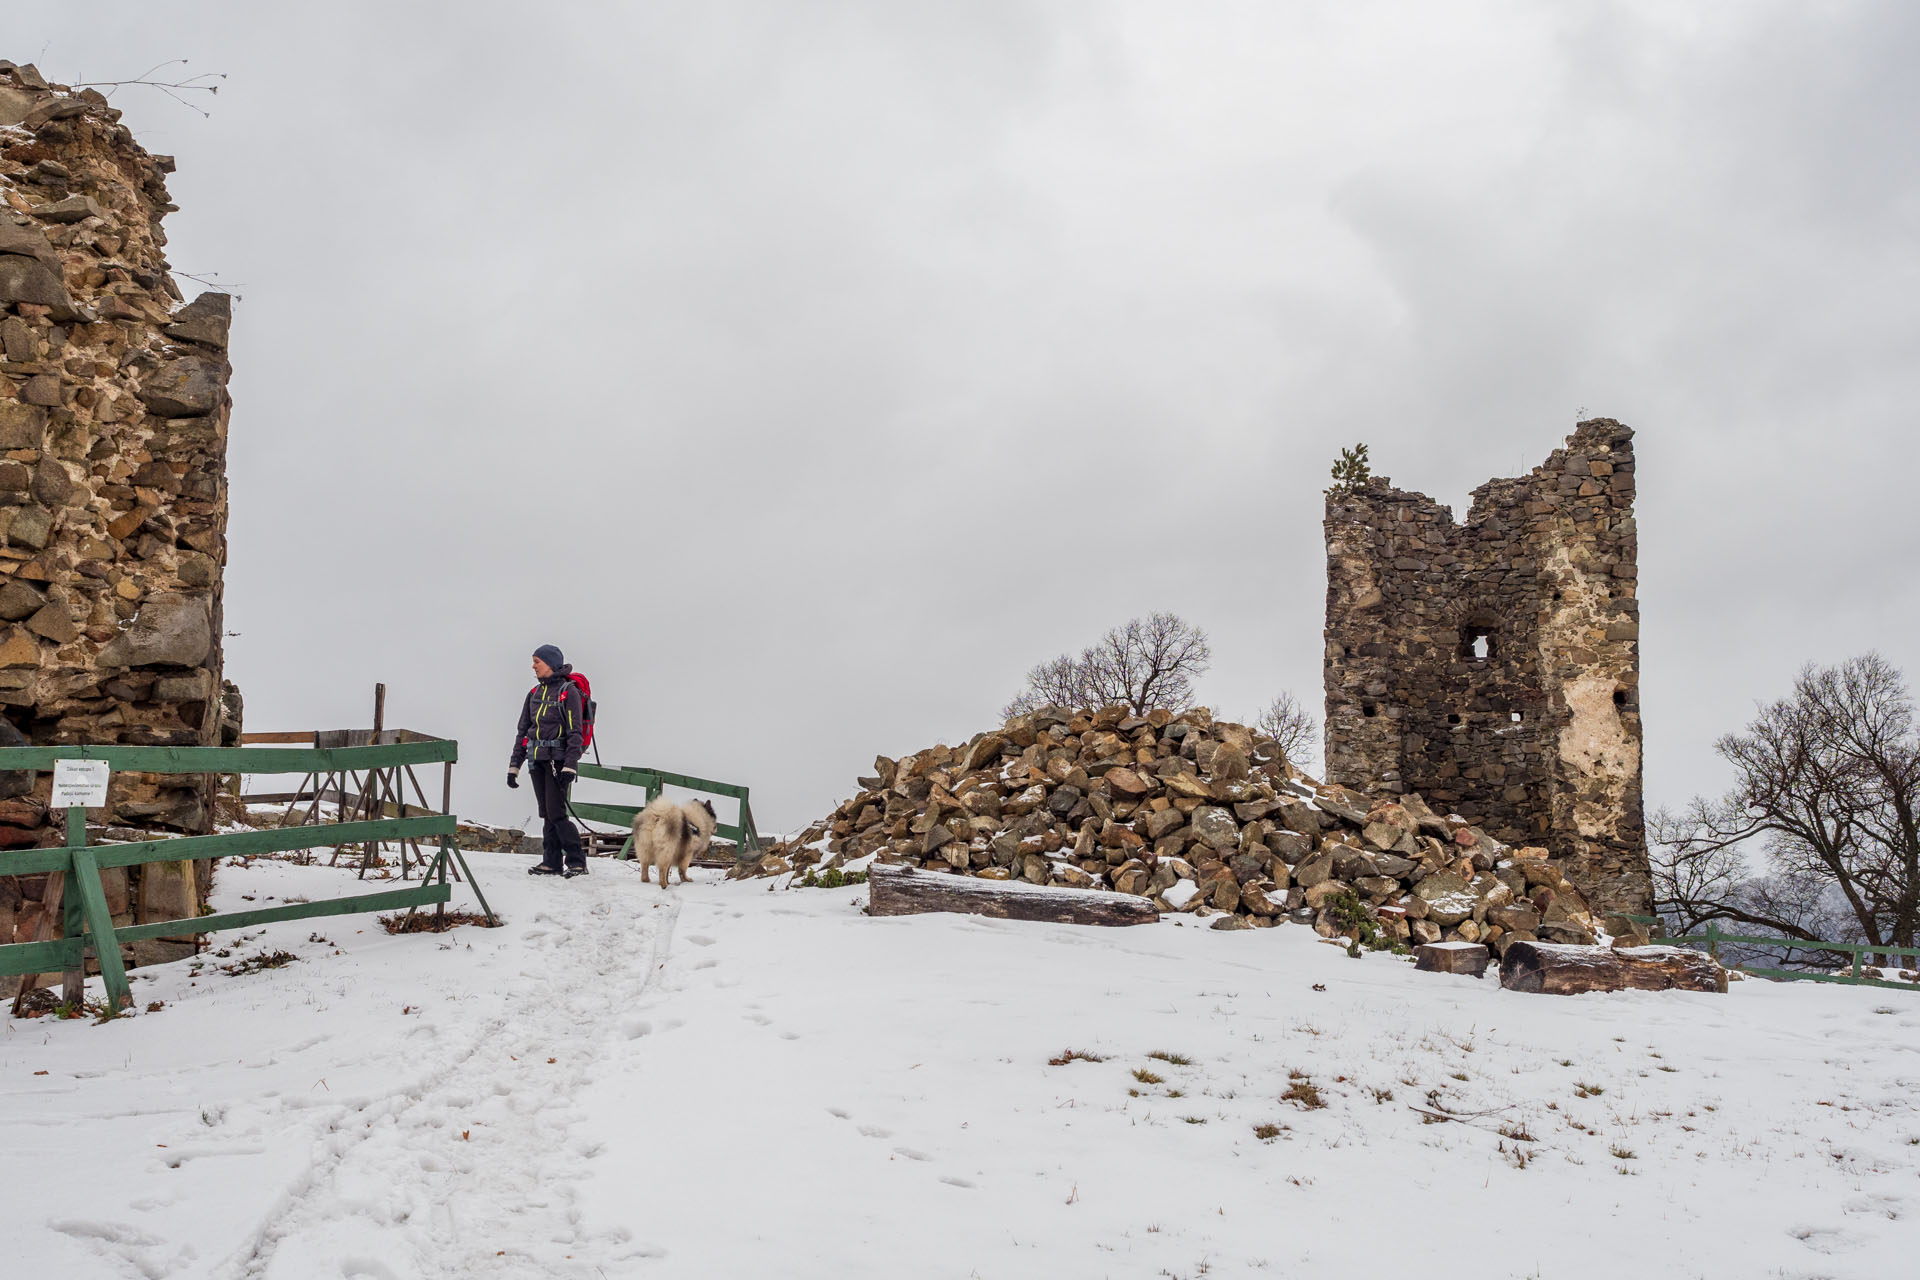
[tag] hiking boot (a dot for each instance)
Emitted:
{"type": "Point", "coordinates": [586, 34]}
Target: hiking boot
{"type": "Point", "coordinates": [542, 869]}
{"type": "Point", "coordinates": [571, 872]}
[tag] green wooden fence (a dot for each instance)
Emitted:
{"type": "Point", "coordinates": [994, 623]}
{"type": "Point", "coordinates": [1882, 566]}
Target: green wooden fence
{"type": "Point", "coordinates": [653, 781]}
{"type": "Point", "coordinates": [1855, 976]}
{"type": "Point", "coordinates": [88, 926]}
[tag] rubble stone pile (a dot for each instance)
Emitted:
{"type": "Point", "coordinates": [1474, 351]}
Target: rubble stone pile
{"type": "Point", "coordinates": [1200, 816]}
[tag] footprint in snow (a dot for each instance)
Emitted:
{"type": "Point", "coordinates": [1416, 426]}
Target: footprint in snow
{"type": "Point", "coordinates": [789, 1035]}
{"type": "Point", "coordinates": [1828, 1239]}
{"type": "Point", "coordinates": [700, 940]}
{"type": "Point", "coordinates": [911, 1154]}
{"type": "Point", "coordinates": [759, 1019]}
{"type": "Point", "coordinates": [705, 962]}
{"type": "Point", "coordinates": [874, 1131]}
{"type": "Point", "coordinates": [952, 1181]}
{"type": "Point", "coordinates": [839, 1113]}
{"type": "Point", "coordinates": [366, 1269]}
{"type": "Point", "coordinates": [1891, 1207]}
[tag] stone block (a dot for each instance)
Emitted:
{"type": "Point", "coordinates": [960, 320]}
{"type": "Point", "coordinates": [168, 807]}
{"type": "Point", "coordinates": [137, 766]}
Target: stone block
{"type": "Point", "coordinates": [1470, 958]}
{"type": "Point", "coordinates": [206, 320]}
{"type": "Point", "coordinates": [71, 209]}
{"type": "Point", "coordinates": [189, 387]}
{"type": "Point", "coordinates": [171, 630]}
{"type": "Point", "coordinates": [19, 649]}
{"type": "Point", "coordinates": [197, 687]}
{"type": "Point", "coordinates": [30, 527]}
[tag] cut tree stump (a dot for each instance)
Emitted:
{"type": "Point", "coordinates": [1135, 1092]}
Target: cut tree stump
{"type": "Point", "coordinates": [1557, 969]}
{"type": "Point", "coordinates": [902, 891]}
{"type": "Point", "coordinates": [1469, 958]}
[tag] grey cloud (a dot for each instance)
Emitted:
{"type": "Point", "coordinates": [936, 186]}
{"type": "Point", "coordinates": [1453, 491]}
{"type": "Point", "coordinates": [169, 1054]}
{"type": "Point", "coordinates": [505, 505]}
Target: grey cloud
{"type": "Point", "coordinates": [882, 350]}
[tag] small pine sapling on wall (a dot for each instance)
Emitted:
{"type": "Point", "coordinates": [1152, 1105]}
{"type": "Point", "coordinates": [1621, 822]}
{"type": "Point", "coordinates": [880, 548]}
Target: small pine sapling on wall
{"type": "Point", "coordinates": [1350, 471]}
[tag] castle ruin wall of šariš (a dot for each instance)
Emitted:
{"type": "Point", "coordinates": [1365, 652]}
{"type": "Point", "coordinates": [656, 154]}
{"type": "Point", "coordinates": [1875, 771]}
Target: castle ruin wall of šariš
{"type": "Point", "coordinates": [1493, 666]}
{"type": "Point", "coordinates": [113, 492]}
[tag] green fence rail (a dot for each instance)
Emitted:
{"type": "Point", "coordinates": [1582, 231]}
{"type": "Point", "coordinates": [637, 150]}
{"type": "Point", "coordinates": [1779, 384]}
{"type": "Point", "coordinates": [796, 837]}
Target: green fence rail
{"type": "Point", "coordinates": [86, 923]}
{"type": "Point", "coordinates": [1856, 976]}
{"type": "Point", "coordinates": [653, 782]}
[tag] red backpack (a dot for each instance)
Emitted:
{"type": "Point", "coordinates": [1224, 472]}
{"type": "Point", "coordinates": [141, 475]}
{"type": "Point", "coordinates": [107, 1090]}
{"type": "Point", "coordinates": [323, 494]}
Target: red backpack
{"type": "Point", "coordinates": [590, 707]}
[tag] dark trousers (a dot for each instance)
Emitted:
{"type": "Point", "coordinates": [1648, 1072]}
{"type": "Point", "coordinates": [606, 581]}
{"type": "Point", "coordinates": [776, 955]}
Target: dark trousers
{"type": "Point", "coordinates": [558, 839]}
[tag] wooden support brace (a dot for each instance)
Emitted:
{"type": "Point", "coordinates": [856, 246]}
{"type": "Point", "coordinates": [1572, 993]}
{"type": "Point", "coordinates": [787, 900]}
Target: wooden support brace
{"type": "Point", "coordinates": [106, 947]}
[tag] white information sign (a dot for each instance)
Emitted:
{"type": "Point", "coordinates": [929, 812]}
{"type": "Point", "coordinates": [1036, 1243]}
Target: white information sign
{"type": "Point", "coordinates": [79, 784]}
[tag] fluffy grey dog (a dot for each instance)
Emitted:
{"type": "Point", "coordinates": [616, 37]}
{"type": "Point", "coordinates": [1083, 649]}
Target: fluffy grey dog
{"type": "Point", "coordinates": [668, 834]}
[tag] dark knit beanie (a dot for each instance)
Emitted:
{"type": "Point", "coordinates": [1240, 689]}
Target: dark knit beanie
{"type": "Point", "coordinates": [551, 656]}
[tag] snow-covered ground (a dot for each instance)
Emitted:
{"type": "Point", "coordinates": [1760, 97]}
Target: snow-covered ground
{"type": "Point", "coordinates": [732, 1081]}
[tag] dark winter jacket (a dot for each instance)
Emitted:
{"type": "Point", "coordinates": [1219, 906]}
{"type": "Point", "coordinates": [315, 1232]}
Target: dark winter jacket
{"type": "Point", "coordinates": [551, 722]}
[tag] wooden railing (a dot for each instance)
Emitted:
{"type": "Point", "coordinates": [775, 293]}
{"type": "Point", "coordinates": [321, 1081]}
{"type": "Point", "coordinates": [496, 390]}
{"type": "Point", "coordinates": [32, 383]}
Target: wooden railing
{"type": "Point", "coordinates": [87, 925]}
{"type": "Point", "coordinates": [653, 782]}
{"type": "Point", "coordinates": [1713, 939]}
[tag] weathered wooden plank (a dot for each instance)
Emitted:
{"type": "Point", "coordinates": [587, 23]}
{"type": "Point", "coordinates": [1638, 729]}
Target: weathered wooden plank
{"type": "Point", "coordinates": [230, 844]}
{"type": "Point", "coordinates": [619, 815]}
{"type": "Point", "coordinates": [1845, 948]}
{"type": "Point", "coordinates": [236, 759]}
{"type": "Point", "coordinates": [1559, 969]}
{"type": "Point", "coordinates": [302, 737]}
{"type": "Point", "coordinates": [416, 896]}
{"type": "Point", "coordinates": [636, 777]}
{"type": "Point", "coordinates": [30, 959]}
{"type": "Point", "coordinates": [902, 891]}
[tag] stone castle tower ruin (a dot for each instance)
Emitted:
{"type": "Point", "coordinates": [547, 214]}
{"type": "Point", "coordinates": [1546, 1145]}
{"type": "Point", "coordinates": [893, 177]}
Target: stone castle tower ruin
{"type": "Point", "coordinates": [113, 488]}
{"type": "Point", "coordinates": [1493, 666]}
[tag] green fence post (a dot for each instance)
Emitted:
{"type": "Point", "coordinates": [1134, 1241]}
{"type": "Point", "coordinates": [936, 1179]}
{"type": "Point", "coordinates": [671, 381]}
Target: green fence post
{"type": "Point", "coordinates": [73, 921]}
{"type": "Point", "coordinates": [1857, 955]}
{"type": "Point", "coordinates": [1713, 939]}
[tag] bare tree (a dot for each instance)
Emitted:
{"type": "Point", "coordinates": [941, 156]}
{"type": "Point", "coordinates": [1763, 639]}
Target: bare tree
{"type": "Point", "coordinates": [1827, 794]}
{"type": "Point", "coordinates": [1151, 662]}
{"type": "Point", "coordinates": [1294, 727]}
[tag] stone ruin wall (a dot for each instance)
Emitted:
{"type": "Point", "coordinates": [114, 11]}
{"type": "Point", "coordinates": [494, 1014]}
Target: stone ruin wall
{"type": "Point", "coordinates": [1538, 741]}
{"type": "Point", "coordinates": [113, 492]}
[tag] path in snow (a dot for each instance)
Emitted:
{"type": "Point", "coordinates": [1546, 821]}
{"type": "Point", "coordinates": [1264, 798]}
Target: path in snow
{"type": "Point", "coordinates": [500, 1198]}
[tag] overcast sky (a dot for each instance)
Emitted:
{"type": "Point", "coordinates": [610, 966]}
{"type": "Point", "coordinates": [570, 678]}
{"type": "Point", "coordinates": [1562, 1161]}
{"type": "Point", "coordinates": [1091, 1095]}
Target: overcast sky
{"type": "Point", "coordinates": [807, 372]}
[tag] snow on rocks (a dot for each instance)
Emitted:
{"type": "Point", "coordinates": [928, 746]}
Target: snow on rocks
{"type": "Point", "coordinates": [1199, 816]}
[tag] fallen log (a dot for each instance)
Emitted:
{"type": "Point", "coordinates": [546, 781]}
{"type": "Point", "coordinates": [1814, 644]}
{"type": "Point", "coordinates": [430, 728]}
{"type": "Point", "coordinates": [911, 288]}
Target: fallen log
{"type": "Point", "coordinates": [1558, 969]}
{"type": "Point", "coordinates": [903, 891]}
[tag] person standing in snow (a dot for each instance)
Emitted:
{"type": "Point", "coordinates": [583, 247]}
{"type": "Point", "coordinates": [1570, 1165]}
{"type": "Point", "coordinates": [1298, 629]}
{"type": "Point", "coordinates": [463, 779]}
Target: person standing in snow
{"type": "Point", "coordinates": [550, 736]}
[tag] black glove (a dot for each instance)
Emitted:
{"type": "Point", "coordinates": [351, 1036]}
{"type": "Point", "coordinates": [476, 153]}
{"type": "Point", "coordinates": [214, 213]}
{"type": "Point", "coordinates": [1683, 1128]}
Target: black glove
{"type": "Point", "coordinates": [513, 778]}
{"type": "Point", "coordinates": [570, 773]}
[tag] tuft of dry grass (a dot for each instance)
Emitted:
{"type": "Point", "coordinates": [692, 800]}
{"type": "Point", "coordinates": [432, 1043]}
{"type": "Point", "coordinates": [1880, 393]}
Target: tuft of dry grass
{"type": "Point", "coordinates": [1145, 1076]}
{"type": "Point", "coordinates": [429, 922]}
{"type": "Point", "coordinates": [1177, 1059]}
{"type": "Point", "coordinates": [1266, 1132]}
{"type": "Point", "coordinates": [1074, 1055]}
{"type": "Point", "coordinates": [256, 963]}
{"type": "Point", "coordinates": [1302, 1092]}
